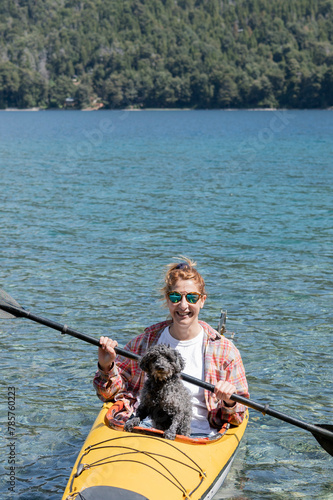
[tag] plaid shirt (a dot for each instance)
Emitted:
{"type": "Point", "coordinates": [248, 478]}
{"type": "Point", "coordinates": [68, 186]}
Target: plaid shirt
{"type": "Point", "coordinates": [222, 362]}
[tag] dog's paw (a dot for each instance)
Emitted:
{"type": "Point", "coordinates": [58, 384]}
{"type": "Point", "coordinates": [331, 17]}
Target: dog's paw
{"type": "Point", "coordinates": [169, 435]}
{"type": "Point", "coordinates": [132, 422]}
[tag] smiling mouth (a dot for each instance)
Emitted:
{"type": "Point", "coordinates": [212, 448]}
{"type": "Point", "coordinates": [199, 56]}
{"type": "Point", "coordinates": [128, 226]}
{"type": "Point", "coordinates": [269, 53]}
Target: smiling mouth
{"type": "Point", "coordinates": [183, 315]}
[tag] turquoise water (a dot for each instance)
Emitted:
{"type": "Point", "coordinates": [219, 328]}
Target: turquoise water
{"type": "Point", "coordinates": [93, 205]}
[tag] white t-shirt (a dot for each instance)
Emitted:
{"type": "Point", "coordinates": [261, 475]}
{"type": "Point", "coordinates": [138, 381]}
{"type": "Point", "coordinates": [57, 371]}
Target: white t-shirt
{"type": "Point", "coordinates": [192, 352]}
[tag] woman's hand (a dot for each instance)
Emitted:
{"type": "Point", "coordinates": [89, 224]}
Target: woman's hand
{"type": "Point", "coordinates": [106, 353]}
{"type": "Point", "coordinates": [223, 390]}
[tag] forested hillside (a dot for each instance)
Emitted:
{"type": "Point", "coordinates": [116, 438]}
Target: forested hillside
{"type": "Point", "coordinates": [166, 53]}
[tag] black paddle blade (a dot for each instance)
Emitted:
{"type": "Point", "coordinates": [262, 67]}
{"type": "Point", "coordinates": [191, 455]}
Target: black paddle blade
{"type": "Point", "coordinates": [325, 442]}
{"type": "Point", "coordinates": [7, 300]}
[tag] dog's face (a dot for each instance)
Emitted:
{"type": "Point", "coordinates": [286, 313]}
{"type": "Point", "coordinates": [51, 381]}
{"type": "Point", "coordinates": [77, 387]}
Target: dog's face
{"type": "Point", "coordinates": [162, 362]}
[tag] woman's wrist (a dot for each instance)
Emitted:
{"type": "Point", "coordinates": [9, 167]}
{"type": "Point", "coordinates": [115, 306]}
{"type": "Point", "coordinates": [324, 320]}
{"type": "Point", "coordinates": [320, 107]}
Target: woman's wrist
{"type": "Point", "coordinates": [229, 405]}
{"type": "Point", "coordinates": [107, 368]}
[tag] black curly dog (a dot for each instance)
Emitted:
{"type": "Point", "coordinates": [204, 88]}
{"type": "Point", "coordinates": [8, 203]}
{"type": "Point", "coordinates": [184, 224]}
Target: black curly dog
{"type": "Point", "coordinates": [164, 397]}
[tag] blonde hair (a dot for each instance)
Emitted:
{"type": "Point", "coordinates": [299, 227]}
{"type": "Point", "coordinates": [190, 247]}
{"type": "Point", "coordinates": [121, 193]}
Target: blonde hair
{"type": "Point", "coordinates": [182, 270]}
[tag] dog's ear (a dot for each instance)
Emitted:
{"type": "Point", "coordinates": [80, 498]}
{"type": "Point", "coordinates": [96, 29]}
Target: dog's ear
{"type": "Point", "coordinates": [146, 359]}
{"type": "Point", "coordinates": [178, 362]}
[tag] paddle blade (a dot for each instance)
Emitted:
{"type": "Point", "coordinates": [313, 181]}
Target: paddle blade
{"type": "Point", "coordinates": [325, 442]}
{"type": "Point", "coordinates": [7, 300]}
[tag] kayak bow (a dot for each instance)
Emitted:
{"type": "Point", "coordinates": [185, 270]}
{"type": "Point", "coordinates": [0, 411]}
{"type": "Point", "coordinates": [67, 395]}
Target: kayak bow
{"type": "Point", "coordinates": [142, 465]}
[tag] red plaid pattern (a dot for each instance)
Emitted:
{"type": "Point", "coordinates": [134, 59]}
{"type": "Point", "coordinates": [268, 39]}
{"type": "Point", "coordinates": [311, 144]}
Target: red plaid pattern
{"type": "Point", "coordinates": [222, 362]}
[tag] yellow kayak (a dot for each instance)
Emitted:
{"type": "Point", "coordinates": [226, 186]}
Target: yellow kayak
{"type": "Point", "coordinates": [142, 465]}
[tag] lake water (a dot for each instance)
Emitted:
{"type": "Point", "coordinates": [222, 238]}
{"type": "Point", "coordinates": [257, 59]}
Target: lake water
{"type": "Point", "coordinates": [93, 205]}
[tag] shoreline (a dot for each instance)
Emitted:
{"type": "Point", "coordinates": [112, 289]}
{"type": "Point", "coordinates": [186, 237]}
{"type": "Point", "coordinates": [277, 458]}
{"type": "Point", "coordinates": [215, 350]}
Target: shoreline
{"type": "Point", "coordinates": [29, 110]}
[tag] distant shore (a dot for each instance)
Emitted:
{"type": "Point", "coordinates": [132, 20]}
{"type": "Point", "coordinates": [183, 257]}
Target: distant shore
{"type": "Point", "coordinates": [166, 109]}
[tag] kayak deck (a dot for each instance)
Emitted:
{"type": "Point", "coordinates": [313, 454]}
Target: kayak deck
{"type": "Point", "coordinates": [114, 464]}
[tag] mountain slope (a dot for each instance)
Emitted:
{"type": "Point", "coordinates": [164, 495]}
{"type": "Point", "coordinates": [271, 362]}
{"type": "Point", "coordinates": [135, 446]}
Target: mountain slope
{"type": "Point", "coordinates": [166, 53]}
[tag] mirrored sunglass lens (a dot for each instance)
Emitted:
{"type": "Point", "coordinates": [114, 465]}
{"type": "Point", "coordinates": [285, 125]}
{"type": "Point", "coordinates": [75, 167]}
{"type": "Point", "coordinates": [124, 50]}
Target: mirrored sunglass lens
{"type": "Point", "coordinates": [192, 298]}
{"type": "Point", "coordinates": [175, 297]}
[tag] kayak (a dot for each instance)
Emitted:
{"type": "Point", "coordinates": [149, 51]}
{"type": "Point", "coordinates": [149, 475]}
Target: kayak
{"type": "Point", "coordinates": [143, 465]}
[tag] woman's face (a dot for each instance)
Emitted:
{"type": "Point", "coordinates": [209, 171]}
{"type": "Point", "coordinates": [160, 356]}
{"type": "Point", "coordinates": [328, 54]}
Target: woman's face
{"type": "Point", "coordinates": [183, 313]}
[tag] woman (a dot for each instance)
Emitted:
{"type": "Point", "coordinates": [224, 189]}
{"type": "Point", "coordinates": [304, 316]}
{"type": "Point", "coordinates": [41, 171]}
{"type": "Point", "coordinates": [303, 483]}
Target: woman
{"type": "Point", "coordinates": [208, 356]}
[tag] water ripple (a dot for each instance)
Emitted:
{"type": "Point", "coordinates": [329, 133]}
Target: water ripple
{"type": "Point", "coordinates": [95, 204]}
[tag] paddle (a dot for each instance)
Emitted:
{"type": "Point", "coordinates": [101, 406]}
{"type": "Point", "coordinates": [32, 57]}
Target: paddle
{"type": "Point", "coordinates": [9, 308]}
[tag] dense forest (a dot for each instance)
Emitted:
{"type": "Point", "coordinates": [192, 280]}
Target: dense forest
{"type": "Point", "coordinates": [166, 53]}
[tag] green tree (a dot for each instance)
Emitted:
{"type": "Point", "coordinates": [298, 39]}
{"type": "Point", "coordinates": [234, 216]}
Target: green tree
{"type": "Point", "coordinates": [327, 87]}
{"type": "Point", "coordinates": [61, 89]}
{"type": "Point", "coordinates": [202, 90]}
{"type": "Point", "coordinates": [112, 92]}
{"type": "Point", "coordinates": [83, 95]}
{"type": "Point", "coordinates": [9, 85]}
{"type": "Point", "coordinates": [226, 91]}
{"type": "Point", "coordinates": [32, 91]}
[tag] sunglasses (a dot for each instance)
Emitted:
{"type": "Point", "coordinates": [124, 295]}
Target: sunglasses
{"type": "Point", "coordinates": [191, 298]}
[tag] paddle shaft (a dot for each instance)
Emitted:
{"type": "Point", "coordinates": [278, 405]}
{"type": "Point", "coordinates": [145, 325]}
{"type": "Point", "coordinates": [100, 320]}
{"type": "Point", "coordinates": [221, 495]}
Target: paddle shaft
{"type": "Point", "coordinates": [262, 408]}
{"type": "Point", "coordinates": [64, 329]}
